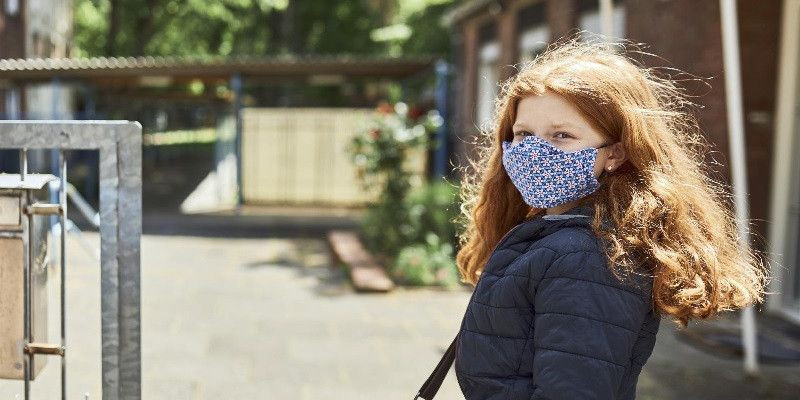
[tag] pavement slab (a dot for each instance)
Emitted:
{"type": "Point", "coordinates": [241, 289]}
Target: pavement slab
{"type": "Point", "coordinates": [268, 318]}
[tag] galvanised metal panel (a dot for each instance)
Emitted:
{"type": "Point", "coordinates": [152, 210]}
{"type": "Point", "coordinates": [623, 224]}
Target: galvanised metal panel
{"type": "Point", "coordinates": [119, 144]}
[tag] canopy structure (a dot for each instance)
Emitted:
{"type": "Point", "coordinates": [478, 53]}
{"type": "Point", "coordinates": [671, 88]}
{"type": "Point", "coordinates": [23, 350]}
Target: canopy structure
{"type": "Point", "coordinates": [134, 77]}
{"type": "Point", "coordinates": [135, 68]}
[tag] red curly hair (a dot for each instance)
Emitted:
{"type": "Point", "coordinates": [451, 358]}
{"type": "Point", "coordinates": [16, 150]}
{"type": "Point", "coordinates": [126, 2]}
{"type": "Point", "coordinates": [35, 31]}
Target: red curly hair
{"type": "Point", "coordinates": [667, 212]}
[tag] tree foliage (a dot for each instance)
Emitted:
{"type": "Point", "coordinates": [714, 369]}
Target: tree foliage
{"type": "Point", "coordinates": [255, 27]}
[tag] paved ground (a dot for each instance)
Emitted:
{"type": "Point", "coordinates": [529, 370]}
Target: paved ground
{"type": "Point", "coordinates": [256, 318]}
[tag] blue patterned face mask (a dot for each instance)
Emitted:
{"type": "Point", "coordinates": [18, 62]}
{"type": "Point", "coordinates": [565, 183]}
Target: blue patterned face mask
{"type": "Point", "coordinates": [547, 176]}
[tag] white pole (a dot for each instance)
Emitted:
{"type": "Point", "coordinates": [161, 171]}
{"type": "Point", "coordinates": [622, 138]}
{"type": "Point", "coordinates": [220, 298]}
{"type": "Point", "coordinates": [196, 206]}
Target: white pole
{"type": "Point", "coordinates": [733, 90]}
{"type": "Point", "coordinates": [607, 18]}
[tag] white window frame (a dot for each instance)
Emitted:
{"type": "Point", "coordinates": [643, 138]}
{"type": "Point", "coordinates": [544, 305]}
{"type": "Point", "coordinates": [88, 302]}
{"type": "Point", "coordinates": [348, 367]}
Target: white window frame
{"type": "Point", "coordinates": [590, 21]}
{"type": "Point", "coordinates": [13, 103]}
{"type": "Point", "coordinates": [785, 193]}
{"type": "Point", "coordinates": [488, 79]}
{"type": "Point", "coordinates": [532, 41]}
{"type": "Point", "coordinates": [12, 7]}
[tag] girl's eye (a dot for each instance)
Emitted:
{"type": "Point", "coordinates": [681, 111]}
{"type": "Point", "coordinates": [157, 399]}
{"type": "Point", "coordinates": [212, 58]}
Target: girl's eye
{"type": "Point", "coordinates": [562, 135]}
{"type": "Point", "coordinates": [522, 133]}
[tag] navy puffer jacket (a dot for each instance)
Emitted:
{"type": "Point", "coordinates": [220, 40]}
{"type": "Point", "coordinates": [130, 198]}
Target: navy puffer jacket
{"type": "Point", "coordinates": [548, 319]}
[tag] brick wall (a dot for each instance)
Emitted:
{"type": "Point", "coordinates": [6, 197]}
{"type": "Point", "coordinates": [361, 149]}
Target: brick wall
{"type": "Point", "coordinates": [687, 35]}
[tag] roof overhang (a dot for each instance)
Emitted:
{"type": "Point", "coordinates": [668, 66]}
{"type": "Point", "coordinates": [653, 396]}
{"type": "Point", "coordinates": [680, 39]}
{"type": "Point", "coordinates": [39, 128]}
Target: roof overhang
{"type": "Point", "coordinates": [466, 10]}
{"type": "Point", "coordinates": [211, 67]}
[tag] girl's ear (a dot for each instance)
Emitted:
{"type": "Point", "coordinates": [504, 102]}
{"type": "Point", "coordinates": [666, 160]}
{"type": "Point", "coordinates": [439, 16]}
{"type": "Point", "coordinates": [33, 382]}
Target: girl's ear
{"type": "Point", "coordinates": [616, 157]}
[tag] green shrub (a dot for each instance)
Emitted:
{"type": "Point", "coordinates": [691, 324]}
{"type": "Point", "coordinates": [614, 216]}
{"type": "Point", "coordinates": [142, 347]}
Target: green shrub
{"type": "Point", "coordinates": [379, 153]}
{"type": "Point", "coordinates": [433, 208]}
{"type": "Point", "coordinates": [431, 263]}
{"type": "Point", "coordinates": [412, 231]}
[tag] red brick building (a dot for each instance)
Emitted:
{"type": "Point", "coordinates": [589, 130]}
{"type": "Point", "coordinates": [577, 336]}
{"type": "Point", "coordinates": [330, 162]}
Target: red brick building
{"type": "Point", "coordinates": [493, 35]}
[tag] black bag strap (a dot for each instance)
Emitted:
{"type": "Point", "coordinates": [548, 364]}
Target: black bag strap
{"type": "Point", "coordinates": [432, 384]}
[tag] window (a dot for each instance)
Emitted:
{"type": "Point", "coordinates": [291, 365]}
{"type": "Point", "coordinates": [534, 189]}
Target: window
{"type": "Point", "coordinates": [12, 7]}
{"type": "Point", "coordinates": [12, 103]}
{"type": "Point", "coordinates": [488, 55]}
{"type": "Point", "coordinates": [534, 32]}
{"type": "Point", "coordinates": [589, 20]}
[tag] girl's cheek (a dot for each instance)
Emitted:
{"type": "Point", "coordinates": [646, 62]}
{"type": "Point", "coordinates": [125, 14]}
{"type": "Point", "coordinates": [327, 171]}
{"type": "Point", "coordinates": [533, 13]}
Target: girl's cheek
{"type": "Point", "coordinates": [598, 167]}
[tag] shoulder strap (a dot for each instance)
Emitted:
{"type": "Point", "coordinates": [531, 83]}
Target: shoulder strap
{"type": "Point", "coordinates": [432, 384]}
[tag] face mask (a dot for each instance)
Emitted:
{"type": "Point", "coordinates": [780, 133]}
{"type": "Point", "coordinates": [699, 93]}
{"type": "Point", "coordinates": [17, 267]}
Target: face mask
{"type": "Point", "coordinates": [547, 176]}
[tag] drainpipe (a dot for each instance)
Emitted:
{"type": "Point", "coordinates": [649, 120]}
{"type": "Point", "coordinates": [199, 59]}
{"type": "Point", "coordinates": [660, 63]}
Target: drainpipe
{"type": "Point", "coordinates": [607, 18]}
{"type": "Point", "coordinates": [736, 139]}
{"type": "Point", "coordinates": [442, 106]}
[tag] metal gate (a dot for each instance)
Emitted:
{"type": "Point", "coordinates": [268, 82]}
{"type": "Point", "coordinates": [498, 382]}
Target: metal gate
{"type": "Point", "coordinates": [119, 145]}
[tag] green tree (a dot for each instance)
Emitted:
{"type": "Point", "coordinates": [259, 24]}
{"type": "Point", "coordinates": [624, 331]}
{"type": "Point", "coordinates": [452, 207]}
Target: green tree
{"type": "Point", "coordinates": [256, 27]}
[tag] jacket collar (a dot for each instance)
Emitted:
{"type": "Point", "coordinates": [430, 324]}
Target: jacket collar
{"type": "Point", "coordinates": [580, 215]}
{"type": "Point", "coordinates": [583, 209]}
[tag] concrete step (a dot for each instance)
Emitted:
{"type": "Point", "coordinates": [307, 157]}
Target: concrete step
{"type": "Point", "coordinates": [365, 272]}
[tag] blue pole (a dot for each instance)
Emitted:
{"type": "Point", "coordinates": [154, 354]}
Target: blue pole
{"type": "Point", "coordinates": [91, 106]}
{"type": "Point", "coordinates": [442, 106]}
{"type": "Point", "coordinates": [236, 86]}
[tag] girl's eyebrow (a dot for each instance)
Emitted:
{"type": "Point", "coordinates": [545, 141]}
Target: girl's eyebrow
{"type": "Point", "coordinates": [521, 125]}
{"type": "Point", "coordinates": [562, 125]}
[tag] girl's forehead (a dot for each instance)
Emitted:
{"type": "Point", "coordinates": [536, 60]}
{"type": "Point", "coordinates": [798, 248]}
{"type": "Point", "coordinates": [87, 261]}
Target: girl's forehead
{"type": "Point", "coordinates": [555, 124]}
{"type": "Point", "coordinates": [548, 109]}
{"type": "Point", "coordinates": [547, 100]}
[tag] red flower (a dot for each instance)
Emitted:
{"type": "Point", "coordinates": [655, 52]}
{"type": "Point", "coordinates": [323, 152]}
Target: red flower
{"type": "Point", "coordinates": [385, 108]}
{"type": "Point", "coordinates": [415, 112]}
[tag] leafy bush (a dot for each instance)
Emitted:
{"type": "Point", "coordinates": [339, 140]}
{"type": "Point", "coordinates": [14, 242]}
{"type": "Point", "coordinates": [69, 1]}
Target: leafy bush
{"type": "Point", "coordinates": [380, 153]}
{"type": "Point", "coordinates": [431, 263]}
{"type": "Point", "coordinates": [433, 208]}
{"type": "Point", "coordinates": [412, 232]}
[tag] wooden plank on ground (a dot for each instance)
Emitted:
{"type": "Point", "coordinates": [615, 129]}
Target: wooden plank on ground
{"type": "Point", "coordinates": [365, 273]}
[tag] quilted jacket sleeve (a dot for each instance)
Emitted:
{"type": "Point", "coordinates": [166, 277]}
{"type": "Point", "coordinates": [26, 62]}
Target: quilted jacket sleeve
{"type": "Point", "coordinates": [585, 325]}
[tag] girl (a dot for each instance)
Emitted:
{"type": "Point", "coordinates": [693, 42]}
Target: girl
{"type": "Point", "coordinates": [589, 216]}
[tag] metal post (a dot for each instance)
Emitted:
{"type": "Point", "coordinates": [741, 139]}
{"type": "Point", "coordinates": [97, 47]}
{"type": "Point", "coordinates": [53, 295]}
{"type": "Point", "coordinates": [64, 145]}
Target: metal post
{"type": "Point", "coordinates": [54, 153]}
{"type": "Point", "coordinates": [236, 85]}
{"type": "Point", "coordinates": [733, 90]}
{"type": "Point", "coordinates": [91, 108]}
{"type": "Point", "coordinates": [63, 202]}
{"type": "Point", "coordinates": [23, 164]}
{"type": "Point", "coordinates": [26, 298]}
{"type": "Point", "coordinates": [442, 97]}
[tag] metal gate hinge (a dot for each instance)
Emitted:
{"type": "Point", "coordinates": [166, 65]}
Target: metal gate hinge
{"type": "Point", "coordinates": [44, 209]}
{"type": "Point", "coordinates": [44, 348]}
